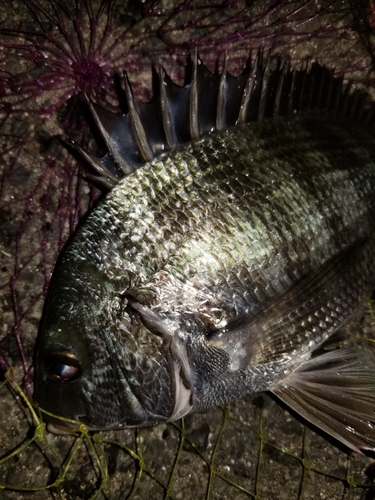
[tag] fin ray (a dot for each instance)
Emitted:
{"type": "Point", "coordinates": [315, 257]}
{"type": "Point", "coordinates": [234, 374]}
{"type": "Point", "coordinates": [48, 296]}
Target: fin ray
{"type": "Point", "coordinates": [307, 310]}
{"type": "Point", "coordinates": [211, 101]}
{"type": "Point", "coordinates": [335, 392]}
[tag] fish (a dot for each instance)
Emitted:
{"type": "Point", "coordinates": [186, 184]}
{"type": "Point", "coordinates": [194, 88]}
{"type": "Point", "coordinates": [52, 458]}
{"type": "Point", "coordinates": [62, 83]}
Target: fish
{"type": "Point", "coordinates": [237, 236]}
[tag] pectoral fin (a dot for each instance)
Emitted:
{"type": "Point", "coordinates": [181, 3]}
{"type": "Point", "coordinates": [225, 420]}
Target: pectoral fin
{"type": "Point", "coordinates": [335, 392]}
{"type": "Point", "coordinates": [301, 317]}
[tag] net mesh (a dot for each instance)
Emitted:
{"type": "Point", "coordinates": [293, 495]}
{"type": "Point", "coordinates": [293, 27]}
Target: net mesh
{"type": "Point", "coordinates": [51, 54]}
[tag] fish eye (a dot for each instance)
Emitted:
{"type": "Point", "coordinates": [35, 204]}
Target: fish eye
{"type": "Point", "coordinates": [63, 366]}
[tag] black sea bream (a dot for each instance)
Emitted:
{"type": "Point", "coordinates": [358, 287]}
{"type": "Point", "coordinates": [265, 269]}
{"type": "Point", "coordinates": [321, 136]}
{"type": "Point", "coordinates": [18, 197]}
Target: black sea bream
{"type": "Point", "coordinates": [237, 237]}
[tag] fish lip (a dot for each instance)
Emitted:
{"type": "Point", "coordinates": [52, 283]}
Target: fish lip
{"type": "Point", "coordinates": [58, 424]}
{"type": "Point", "coordinates": [60, 430]}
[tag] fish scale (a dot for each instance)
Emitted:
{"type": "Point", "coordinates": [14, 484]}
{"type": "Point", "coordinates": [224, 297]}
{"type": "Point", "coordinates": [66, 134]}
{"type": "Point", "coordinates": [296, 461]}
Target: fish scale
{"type": "Point", "coordinates": [218, 268]}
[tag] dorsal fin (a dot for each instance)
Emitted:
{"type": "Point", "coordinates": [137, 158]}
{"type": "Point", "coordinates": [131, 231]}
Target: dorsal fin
{"type": "Point", "coordinates": [213, 101]}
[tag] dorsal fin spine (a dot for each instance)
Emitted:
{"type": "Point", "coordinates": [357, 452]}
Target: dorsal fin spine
{"type": "Point", "coordinates": [346, 98]}
{"type": "Point", "coordinates": [221, 97]}
{"type": "Point", "coordinates": [329, 94]}
{"type": "Point", "coordinates": [111, 145]}
{"type": "Point", "coordinates": [338, 99]}
{"type": "Point", "coordinates": [213, 102]}
{"type": "Point", "coordinates": [139, 131]}
{"type": "Point", "coordinates": [106, 178]}
{"type": "Point", "coordinates": [193, 109]}
{"type": "Point", "coordinates": [311, 91]}
{"type": "Point", "coordinates": [167, 125]}
{"type": "Point", "coordinates": [320, 94]}
{"type": "Point", "coordinates": [248, 91]}
{"type": "Point", "coordinates": [291, 92]}
{"type": "Point", "coordinates": [265, 83]}
{"type": "Point", "coordinates": [279, 90]}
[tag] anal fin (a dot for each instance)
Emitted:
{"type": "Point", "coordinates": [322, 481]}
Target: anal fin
{"type": "Point", "coordinates": [335, 392]}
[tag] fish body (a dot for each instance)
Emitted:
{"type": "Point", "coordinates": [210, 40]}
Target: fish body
{"type": "Point", "coordinates": [215, 270]}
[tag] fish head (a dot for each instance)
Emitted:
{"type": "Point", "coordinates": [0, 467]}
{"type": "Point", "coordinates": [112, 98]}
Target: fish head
{"type": "Point", "coordinates": [101, 360]}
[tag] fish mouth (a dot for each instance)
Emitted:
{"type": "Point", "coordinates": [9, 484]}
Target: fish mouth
{"type": "Point", "coordinates": [60, 425]}
{"type": "Point", "coordinates": [59, 430]}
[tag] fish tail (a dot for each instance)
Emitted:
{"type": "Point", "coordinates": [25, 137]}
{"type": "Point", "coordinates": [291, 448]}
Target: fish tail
{"type": "Point", "coordinates": [336, 392]}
